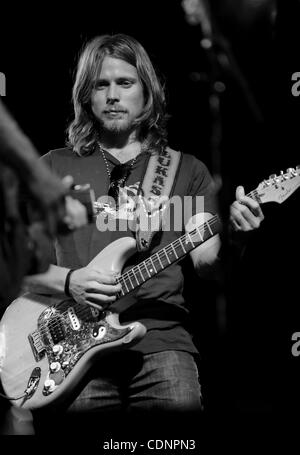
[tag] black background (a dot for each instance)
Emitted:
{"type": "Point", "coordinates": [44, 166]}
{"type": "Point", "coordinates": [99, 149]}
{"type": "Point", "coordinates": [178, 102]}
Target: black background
{"type": "Point", "coordinates": [245, 339]}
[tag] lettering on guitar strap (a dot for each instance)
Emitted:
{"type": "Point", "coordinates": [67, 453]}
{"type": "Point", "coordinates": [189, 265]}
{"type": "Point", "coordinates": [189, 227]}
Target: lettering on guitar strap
{"type": "Point", "coordinates": [156, 189]}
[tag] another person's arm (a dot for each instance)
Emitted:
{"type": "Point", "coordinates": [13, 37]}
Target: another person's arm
{"type": "Point", "coordinates": [18, 152]}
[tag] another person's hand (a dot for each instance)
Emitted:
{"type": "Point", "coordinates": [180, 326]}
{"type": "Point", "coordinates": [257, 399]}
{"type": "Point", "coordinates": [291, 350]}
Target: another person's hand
{"type": "Point", "coordinates": [97, 288]}
{"type": "Point", "coordinates": [75, 212]}
{"type": "Point", "coordinates": [60, 212]}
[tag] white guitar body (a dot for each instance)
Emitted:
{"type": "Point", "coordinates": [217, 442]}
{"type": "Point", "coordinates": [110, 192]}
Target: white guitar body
{"type": "Point", "coordinates": [48, 343]}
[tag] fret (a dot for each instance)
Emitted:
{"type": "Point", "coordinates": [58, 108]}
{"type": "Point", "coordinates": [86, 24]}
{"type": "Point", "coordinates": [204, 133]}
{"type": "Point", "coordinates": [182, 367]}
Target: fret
{"type": "Point", "coordinates": [135, 277]}
{"type": "Point", "coordinates": [146, 267]}
{"type": "Point", "coordinates": [124, 280]}
{"type": "Point", "coordinates": [157, 255]}
{"type": "Point", "coordinates": [254, 195]}
{"type": "Point", "coordinates": [167, 256]}
{"type": "Point", "coordinates": [174, 250]}
{"type": "Point", "coordinates": [191, 240]}
{"type": "Point", "coordinates": [120, 280]}
{"type": "Point", "coordinates": [207, 224]}
{"type": "Point", "coordinates": [122, 290]}
{"type": "Point", "coordinates": [128, 274]}
{"type": "Point", "coordinates": [201, 237]}
{"type": "Point", "coordinates": [171, 252]}
{"type": "Point", "coordinates": [153, 264]}
{"type": "Point", "coordinates": [138, 266]}
{"type": "Point", "coordinates": [186, 242]}
{"type": "Point", "coordinates": [182, 245]}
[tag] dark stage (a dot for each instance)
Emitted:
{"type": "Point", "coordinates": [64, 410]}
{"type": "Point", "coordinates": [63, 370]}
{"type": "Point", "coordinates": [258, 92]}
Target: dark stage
{"type": "Point", "coordinates": [243, 326]}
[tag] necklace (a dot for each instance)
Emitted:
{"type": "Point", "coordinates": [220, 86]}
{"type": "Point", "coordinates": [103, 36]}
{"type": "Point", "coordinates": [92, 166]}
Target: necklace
{"type": "Point", "coordinates": [118, 175]}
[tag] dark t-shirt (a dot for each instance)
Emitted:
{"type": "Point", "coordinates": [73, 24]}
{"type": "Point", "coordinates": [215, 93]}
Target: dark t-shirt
{"type": "Point", "coordinates": [158, 303]}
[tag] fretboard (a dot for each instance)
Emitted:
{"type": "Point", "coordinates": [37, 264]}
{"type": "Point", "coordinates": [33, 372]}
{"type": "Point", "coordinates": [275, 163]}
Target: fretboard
{"type": "Point", "coordinates": [166, 256]}
{"type": "Point", "coordinates": [173, 252]}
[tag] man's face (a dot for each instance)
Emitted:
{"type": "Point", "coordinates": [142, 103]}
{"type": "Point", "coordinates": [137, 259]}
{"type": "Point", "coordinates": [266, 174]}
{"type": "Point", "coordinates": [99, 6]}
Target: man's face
{"type": "Point", "coordinates": [118, 98]}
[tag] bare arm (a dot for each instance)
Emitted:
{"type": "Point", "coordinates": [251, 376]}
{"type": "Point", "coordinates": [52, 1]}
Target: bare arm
{"type": "Point", "coordinates": [204, 257]}
{"type": "Point", "coordinates": [50, 282]}
{"type": "Point", "coordinates": [245, 217]}
{"type": "Point", "coordinates": [17, 151]}
{"type": "Point", "coordinates": [44, 187]}
{"type": "Point", "coordinates": [87, 285]}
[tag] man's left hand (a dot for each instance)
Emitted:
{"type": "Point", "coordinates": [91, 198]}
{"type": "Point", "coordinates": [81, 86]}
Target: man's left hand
{"type": "Point", "coordinates": [245, 213]}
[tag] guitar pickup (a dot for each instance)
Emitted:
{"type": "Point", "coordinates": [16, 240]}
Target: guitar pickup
{"type": "Point", "coordinates": [56, 328]}
{"type": "Point", "coordinates": [75, 323]}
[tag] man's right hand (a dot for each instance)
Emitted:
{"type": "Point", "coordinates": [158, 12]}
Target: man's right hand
{"type": "Point", "coordinates": [97, 288]}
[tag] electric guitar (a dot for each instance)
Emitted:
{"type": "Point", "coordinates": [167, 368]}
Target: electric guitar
{"type": "Point", "coordinates": [48, 344]}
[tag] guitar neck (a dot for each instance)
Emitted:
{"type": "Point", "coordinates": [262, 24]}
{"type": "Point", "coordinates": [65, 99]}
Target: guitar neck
{"type": "Point", "coordinates": [173, 252]}
{"type": "Point", "coordinates": [166, 256]}
{"type": "Point", "coordinates": [254, 195]}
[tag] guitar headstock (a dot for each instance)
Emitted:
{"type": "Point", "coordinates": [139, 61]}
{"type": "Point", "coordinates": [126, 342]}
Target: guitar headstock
{"type": "Point", "coordinates": [277, 188]}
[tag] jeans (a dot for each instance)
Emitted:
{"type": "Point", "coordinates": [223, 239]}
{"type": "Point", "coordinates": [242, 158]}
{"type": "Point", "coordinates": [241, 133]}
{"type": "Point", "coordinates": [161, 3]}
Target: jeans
{"type": "Point", "coordinates": [163, 381]}
{"type": "Point", "coordinates": [129, 384]}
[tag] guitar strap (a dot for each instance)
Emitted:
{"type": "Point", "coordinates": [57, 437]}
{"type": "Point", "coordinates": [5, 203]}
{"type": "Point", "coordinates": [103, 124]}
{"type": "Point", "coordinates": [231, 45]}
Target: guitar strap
{"type": "Point", "coordinates": [157, 186]}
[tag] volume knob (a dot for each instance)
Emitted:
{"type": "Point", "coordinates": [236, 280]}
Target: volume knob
{"type": "Point", "coordinates": [57, 349]}
{"type": "Point", "coordinates": [65, 363]}
{"type": "Point", "coordinates": [49, 385]}
{"type": "Point", "coordinates": [54, 367]}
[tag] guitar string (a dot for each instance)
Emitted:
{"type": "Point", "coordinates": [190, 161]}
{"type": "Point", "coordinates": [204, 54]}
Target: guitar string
{"type": "Point", "coordinates": [169, 248]}
{"type": "Point", "coordinates": [86, 309]}
{"type": "Point", "coordinates": [130, 274]}
{"type": "Point", "coordinates": [43, 328]}
{"type": "Point", "coordinates": [190, 233]}
{"type": "Point", "coordinates": [163, 251]}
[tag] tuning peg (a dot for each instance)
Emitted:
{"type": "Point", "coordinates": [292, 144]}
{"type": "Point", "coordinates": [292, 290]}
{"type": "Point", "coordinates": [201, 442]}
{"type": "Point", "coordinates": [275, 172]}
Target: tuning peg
{"type": "Point", "coordinates": [283, 176]}
{"type": "Point", "coordinates": [293, 171]}
{"type": "Point", "coordinates": [266, 183]}
{"type": "Point", "coordinates": [298, 166]}
{"type": "Point", "coordinates": [290, 169]}
{"type": "Point", "coordinates": [272, 176]}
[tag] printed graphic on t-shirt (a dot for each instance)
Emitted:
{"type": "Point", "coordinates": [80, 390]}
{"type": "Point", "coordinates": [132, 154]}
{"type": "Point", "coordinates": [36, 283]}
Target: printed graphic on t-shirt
{"type": "Point", "coordinates": [124, 208]}
{"type": "Point", "coordinates": [131, 209]}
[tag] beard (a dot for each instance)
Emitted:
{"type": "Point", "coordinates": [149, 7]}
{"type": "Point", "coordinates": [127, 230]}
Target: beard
{"type": "Point", "coordinates": [116, 126]}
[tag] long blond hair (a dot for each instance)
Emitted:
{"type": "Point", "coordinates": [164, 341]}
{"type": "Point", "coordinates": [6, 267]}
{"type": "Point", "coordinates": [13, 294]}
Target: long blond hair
{"type": "Point", "coordinates": [83, 131]}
